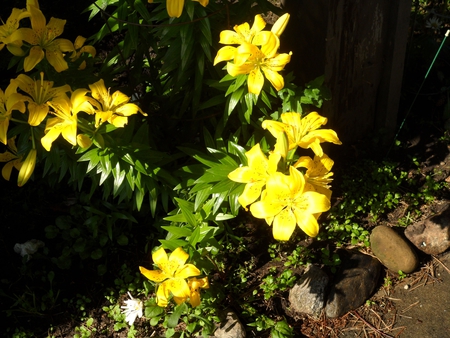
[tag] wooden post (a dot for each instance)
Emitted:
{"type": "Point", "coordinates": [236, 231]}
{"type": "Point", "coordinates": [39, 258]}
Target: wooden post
{"type": "Point", "coordinates": [360, 47]}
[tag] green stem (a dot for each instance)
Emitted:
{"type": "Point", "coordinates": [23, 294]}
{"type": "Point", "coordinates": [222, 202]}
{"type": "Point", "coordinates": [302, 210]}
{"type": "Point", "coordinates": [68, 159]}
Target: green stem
{"type": "Point", "coordinates": [418, 92]}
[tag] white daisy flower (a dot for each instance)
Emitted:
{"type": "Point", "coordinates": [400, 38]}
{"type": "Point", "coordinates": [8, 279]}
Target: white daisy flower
{"type": "Point", "coordinates": [132, 309]}
{"type": "Point", "coordinates": [433, 23]}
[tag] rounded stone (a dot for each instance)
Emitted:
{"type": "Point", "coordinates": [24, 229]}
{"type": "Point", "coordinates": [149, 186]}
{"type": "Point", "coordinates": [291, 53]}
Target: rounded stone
{"type": "Point", "coordinates": [392, 250]}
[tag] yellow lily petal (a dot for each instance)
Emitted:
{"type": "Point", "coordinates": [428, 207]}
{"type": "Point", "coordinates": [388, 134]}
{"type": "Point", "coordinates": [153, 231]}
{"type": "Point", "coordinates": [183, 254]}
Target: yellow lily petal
{"type": "Point", "coordinates": [235, 70]}
{"type": "Point", "coordinates": [255, 81]}
{"type": "Point", "coordinates": [37, 113]}
{"type": "Point", "coordinates": [274, 78]}
{"type": "Point", "coordinates": [258, 24]}
{"type": "Point", "coordinates": [34, 57]}
{"type": "Point", "coordinates": [188, 270]}
{"type": "Point", "coordinates": [278, 62]}
{"type": "Point", "coordinates": [157, 276]}
{"type": "Point", "coordinates": [7, 169]}
{"type": "Point", "coordinates": [228, 37]}
{"type": "Point", "coordinates": [269, 43]}
{"type": "Point", "coordinates": [251, 193]}
{"type": "Point", "coordinates": [284, 225]}
{"type": "Point", "coordinates": [226, 53]}
{"type": "Point", "coordinates": [177, 286]}
{"type": "Point", "coordinates": [160, 257]}
{"type": "Point", "coordinates": [179, 256]}
{"type": "Point", "coordinates": [56, 59]}
{"type": "Point", "coordinates": [162, 296]}
{"type": "Point", "coordinates": [308, 224]}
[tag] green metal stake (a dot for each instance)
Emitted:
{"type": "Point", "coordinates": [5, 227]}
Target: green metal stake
{"type": "Point", "coordinates": [420, 88]}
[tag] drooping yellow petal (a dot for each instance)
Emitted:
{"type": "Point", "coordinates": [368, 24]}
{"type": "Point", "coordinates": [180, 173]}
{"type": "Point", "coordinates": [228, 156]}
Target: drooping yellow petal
{"type": "Point", "coordinates": [284, 225]}
{"type": "Point", "coordinates": [308, 224]}
{"type": "Point", "coordinates": [56, 59]}
{"type": "Point", "coordinates": [255, 81]}
{"type": "Point", "coordinates": [274, 78]}
{"type": "Point", "coordinates": [162, 295]}
{"type": "Point", "coordinates": [34, 57]}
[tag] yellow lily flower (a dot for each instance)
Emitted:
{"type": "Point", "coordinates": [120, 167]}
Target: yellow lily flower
{"type": "Point", "coordinates": [194, 285]}
{"type": "Point", "coordinates": [255, 175]}
{"type": "Point", "coordinates": [41, 92]}
{"type": "Point", "coordinates": [318, 174]}
{"type": "Point", "coordinates": [43, 37]}
{"type": "Point", "coordinates": [286, 203]}
{"type": "Point", "coordinates": [9, 100]}
{"type": "Point", "coordinates": [11, 158]}
{"type": "Point", "coordinates": [27, 168]}
{"type": "Point", "coordinates": [8, 35]}
{"type": "Point", "coordinates": [172, 275]}
{"type": "Point", "coordinates": [242, 34]}
{"type": "Point", "coordinates": [80, 48]}
{"type": "Point", "coordinates": [303, 132]}
{"type": "Point", "coordinates": [65, 122]}
{"type": "Point", "coordinates": [112, 108]}
{"type": "Point", "coordinates": [269, 63]}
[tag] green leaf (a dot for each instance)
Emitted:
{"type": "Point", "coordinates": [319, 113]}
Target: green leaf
{"type": "Point", "coordinates": [173, 243]}
{"type": "Point", "coordinates": [195, 237]}
{"type": "Point", "coordinates": [178, 232]}
{"type": "Point", "coordinates": [97, 254]}
{"type": "Point", "coordinates": [234, 100]}
{"type": "Point", "coordinates": [122, 240]}
{"type": "Point", "coordinates": [175, 316]}
{"type": "Point", "coordinates": [187, 209]}
{"type": "Point", "coordinates": [142, 10]}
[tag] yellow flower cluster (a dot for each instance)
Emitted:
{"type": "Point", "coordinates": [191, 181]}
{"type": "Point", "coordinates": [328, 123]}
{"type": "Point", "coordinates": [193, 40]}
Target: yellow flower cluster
{"type": "Point", "coordinates": [41, 39]}
{"type": "Point", "coordinates": [58, 107]}
{"type": "Point", "coordinates": [175, 278]}
{"type": "Point", "coordinates": [257, 54]}
{"type": "Point", "coordinates": [296, 199]}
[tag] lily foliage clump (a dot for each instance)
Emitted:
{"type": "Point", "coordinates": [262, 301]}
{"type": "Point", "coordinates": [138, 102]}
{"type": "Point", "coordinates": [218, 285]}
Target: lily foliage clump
{"type": "Point", "coordinates": [174, 117]}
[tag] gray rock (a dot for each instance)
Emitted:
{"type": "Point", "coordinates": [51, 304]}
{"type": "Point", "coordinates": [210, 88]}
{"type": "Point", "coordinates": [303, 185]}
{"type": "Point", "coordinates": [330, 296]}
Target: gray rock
{"type": "Point", "coordinates": [392, 250]}
{"type": "Point", "coordinates": [431, 235]}
{"type": "Point", "coordinates": [308, 294]}
{"type": "Point", "coordinates": [353, 284]}
{"type": "Point", "coordinates": [230, 326]}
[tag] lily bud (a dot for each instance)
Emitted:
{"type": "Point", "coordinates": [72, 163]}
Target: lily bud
{"type": "Point", "coordinates": [279, 26]}
{"type": "Point", "coordinates": [27, 168]}
{"type": "Point", "coordinates": [175, 8]}
{"type": "Point", "coordinates": [84, 141]}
